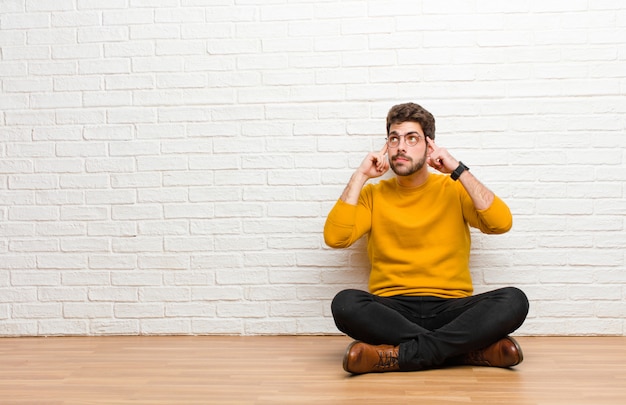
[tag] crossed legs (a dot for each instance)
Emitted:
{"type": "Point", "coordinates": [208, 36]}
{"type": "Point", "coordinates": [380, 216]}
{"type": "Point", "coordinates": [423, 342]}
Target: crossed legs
{"type": "Point", "coordinates": [429, 331]}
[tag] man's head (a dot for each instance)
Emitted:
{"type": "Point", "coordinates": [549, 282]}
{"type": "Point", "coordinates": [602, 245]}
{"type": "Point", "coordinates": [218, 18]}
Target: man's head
{"type": "Point", "coordinates": [414, 113]}
{"type": "Point", "coordinates": [407, 126]}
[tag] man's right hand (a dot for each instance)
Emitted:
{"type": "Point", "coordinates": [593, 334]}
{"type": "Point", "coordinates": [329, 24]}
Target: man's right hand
{"type": "Point", "coordinates": [375, 164]}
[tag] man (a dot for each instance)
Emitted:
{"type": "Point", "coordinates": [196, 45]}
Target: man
{"type": "Point", "coordinates": [420, 312]}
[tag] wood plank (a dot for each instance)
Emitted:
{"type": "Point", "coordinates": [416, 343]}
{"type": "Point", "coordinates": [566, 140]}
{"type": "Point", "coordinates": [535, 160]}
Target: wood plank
{"type": "Point", "coordinates": [293, 370]}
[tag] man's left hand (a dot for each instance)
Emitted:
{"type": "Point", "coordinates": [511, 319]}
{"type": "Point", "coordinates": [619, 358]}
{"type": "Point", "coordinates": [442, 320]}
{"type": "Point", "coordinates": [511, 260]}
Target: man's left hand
{"type": "Point", "coordinates": [439, 158]}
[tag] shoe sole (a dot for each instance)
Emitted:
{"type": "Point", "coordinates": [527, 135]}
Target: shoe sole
{"type": "Point", "coordinates": [519, 350]}
{"type": "Point", "coordinates": [346, 356]}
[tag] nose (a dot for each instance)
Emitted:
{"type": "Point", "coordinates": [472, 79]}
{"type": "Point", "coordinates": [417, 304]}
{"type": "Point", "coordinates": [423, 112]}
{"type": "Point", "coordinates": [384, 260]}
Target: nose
{"type": "Point", "coordinates": [402, 143]}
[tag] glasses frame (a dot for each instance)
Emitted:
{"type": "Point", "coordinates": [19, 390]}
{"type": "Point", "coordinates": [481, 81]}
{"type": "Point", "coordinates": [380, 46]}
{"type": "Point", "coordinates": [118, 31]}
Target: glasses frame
{"type": "Point", "coordinates": [400, 137]}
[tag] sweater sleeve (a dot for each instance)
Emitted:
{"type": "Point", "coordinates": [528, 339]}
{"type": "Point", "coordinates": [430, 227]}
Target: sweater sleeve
{"type": "Point", "coordinates": [496, 219]}
{"type": "Point", "coordinates": [345, 224]}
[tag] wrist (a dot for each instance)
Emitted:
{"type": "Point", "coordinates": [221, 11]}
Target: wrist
{"type": "Point", "coordinates": [458, 171]}
{"type": "Point", "coordinates": [360, 177]}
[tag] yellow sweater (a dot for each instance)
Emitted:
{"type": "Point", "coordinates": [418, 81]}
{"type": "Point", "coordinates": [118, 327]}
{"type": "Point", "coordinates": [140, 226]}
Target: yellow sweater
{"type": "Point", "coordinates": [418, 238]}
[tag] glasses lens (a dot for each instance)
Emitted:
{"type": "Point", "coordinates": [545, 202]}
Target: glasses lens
{"type": "Point", "coordinates": [394, 140]}
{"type": "Point", "coordinates": [411, 140]}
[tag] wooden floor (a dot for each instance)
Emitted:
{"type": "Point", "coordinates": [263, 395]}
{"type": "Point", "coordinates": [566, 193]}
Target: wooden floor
{"type": "Point", "coordinates": [294, 370]}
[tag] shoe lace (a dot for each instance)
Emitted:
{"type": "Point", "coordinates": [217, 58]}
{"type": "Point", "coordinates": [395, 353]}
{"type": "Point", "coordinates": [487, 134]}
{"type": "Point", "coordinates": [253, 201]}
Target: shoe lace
{"type": "Point", "coordinates": [476, 358]}
{"type": "Point", "coordinates": [387, 359]}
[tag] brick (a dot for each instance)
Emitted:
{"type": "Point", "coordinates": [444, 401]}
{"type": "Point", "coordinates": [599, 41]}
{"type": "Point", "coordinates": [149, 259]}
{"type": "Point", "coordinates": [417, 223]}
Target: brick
{"type": "Point", "coordinates": [217, 326]}
{"type": "Point", "coordinates": [236, 244]}
{"type": "Point", "coordinates": [114, 327]}
{"type": "Point", "coordinates": [300, 309]}
{"type": "Point", "coordinates": [154, 31]}
{"type": "Point", "coordinates": [61, 229]}
{"type": "Point", "coordinates": [172, 194]}
{"type": "Point", "coordinates": [214, 261]}
{"type": "Point", "coordinates": [164, 163]}
{"type": "Point", "coordinates": [138, 311]}
{"type": "Point", "coordinates": [232, 46]}
{"type": "Point", "coordinates": [241, 310]}
{"type": "Point", "coordinates": [188, 244]}
{"type": "Point", "coordinates": [37, 311]}
{"type": "Point", "coordinates": [285, 326]}
{"type": "Point", "coordinates": [102, 34]}
{"type": "Point", "coordinates": [10, 21]}
{"type": "Point", "coordinates": [30, 278]}
{"type": "Point", "coordinates": [293, 210]}
{"type": "Point", "coordinates": [316, 326]}
{"type": "Point", "coordinates": [190, 278]}
{"type": "Point", "coordinates": [69, 213]}
{"type": "Point", "coordinates": [53, 68]}
{"type": "Point", "coordinates": [164, 294]}
{"type": "Point", "coordinates": [179, 15]}
{"type": "Point", "coordinates": [165, 326]}
{"type": "Point", "coordinates": [183, 115]}
{"type": "Point", "coordinates": [163, 262]}
{"type": "Point", "coordinates": [34, 245]}
{"type": "Point", "coordinates": [92, 245]}
{"type": "Point", "coordinates": [13, 102]}
{"type": "Point", "coordinates": [199, 211]}
{"type": "Point", "coordinates": [135, 180]}
{"type": "Point", "coordinates": [74, 18]}
{"type": "Point", "coordinates": [110, 197]}
{"type": "Point", "coordinates": [56, 36]}
{"type": "Point", "coordinates": [127, 17]}
{"type": "Point", "coordinates": [136, 279]}
{"type": "Point", "coordinates": [62, 328]}
{"type": "Point", "coordinates": [217, 293]}
{"type": "Point", "coordinates": [207, 30]}
{"type": "Point", "coordinates": [76, 51]}
{"type": "Point", "coordinates": [83, 181]}
{"type": "Point", "coordinates": [195, 310]}
{"type": "Point", "coordinates": [173, 227]}
{"type": "Point", "coordinates": [21, 53]}
{"type": "Point", "coordinates": [112, 262]}
{"type": "Point", "coordinates": [88, 310]}
{"type": "Point", "coordinates": [113, 294]}
{"type": "Point", "coordinates": [80, 116]}
{"type": "Point", "coordinates": [112, 229]}
{"type": "Point", "coordinates": [247, 276]}
{"type": "Point", "coordinates": [19, 328]}
{"type": "Point", "coordinates": [134, 244]}
{"type": "Point", "coordinates": [33, 213]}
{"type": "Point", "coordinates": [16, 166]}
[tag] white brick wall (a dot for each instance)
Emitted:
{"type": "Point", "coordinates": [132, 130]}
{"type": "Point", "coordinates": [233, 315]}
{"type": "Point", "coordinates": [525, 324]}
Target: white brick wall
{"type": "Point", "coordinates": [166, 166]}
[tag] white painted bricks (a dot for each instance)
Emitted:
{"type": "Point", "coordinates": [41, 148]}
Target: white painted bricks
{"type": "Point", "coordinates": [166, 166]}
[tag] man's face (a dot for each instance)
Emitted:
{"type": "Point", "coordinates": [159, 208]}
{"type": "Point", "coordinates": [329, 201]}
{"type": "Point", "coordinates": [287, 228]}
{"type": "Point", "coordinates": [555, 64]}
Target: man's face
{"type": "Point", "coordinates": [404, 159]}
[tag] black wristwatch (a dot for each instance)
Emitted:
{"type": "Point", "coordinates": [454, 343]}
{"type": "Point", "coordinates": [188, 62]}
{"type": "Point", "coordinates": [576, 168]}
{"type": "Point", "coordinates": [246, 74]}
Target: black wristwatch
{"type": "Point", "coordinates": [457, 172]}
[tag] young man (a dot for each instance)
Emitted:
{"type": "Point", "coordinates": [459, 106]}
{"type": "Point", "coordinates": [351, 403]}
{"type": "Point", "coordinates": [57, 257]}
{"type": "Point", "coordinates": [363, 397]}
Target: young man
{"type": "Point", "coordinates": [420, 312]}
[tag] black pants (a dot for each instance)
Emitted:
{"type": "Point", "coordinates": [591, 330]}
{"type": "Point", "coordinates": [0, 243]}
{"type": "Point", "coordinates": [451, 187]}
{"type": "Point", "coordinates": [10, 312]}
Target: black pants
{"type": "Point", "coordinates": [430, 331]}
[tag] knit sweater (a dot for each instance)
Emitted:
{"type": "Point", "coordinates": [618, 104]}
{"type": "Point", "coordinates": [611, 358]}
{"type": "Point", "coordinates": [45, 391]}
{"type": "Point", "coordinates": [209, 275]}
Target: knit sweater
{"type": "Point", "coordinates": [418, 238]}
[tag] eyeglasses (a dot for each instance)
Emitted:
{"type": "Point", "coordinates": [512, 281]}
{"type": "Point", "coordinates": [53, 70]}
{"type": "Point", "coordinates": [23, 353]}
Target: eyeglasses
{"type": "Point", "coordinates": [411, 139]}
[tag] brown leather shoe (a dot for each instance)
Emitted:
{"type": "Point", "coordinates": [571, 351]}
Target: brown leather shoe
{"type": "Point", "coordinates": [362, 358]}
{"type": "Point", "coordinates": [506, 352]}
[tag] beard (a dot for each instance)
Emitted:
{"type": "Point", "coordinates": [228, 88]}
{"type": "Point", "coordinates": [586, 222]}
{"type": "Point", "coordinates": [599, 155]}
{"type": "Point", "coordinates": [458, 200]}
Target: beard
{"type": "Point", "coordinates": [406, 168]}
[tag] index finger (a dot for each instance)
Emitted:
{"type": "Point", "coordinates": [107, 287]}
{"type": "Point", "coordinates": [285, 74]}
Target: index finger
{"type": "Point", "coordinates": [384, 149]}
{"type": "Point", "coordinates": [430, 142]}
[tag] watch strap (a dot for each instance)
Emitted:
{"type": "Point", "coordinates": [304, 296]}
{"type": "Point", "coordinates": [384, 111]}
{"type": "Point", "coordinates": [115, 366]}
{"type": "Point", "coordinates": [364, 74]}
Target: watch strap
{"type": "Point", "coordinates": [457, 172]}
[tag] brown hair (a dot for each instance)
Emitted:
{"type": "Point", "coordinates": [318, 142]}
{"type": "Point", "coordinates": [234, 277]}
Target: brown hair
{"type": "Point", "coordinates": [414, 113]}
